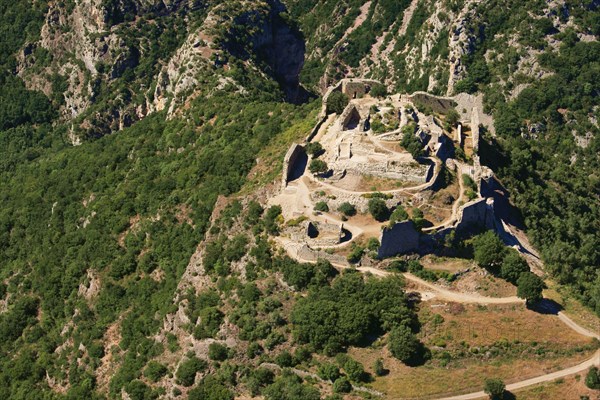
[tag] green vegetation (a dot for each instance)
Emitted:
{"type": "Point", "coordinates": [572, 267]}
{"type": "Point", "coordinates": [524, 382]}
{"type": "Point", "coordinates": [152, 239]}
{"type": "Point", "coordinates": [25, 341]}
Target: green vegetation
{"type": "Point", "coordinates": [347, 209]}
{"type": "Point", "coordinates": [378, 209]}
{"type": "Point", "coordinates": [530, 287]}
{"type": "Point", "coordinates": [592, 378]}
{"type": "Point", "coordinates": [317, 166]}
{"type": "Point", "coordinates": [337, 102]}
{"type": "Point", "coordinates": [343, 313]}
{"type": "Point", "coordinates": [489, 251]}
{"type": "Point", "coordinates": [398, 215]}
{"type": "Point", "coordinates": [494, 388]}
{"type": "Point", "coordinates": [314, 149]}
{"type": "Point", "coordinates": [513, 265]}
{"type": "Point", "coordinates": [410, 142]}
{"type": "Point", "coordinates": [321, 206]}
{"type": "Point", "coordinates": [186, 373]}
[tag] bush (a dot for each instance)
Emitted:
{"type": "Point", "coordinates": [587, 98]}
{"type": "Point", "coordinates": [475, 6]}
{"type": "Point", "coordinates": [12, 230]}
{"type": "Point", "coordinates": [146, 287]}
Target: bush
{"type": "Point", "coordinates": [317, 166]}
{"type": "Point", "coordinates": [314, 149]}
{"type": "Point", "coordinates": [342, 385]}
{"type": "Point", "coordinates": [284, 359]}
{"type": "Point", "coordinates": [328, 372]}
{"type": "Point", "coordinates": [398, 215]}
{"type": "Point", "coordinates": [530, 287]}
{"type": "Point", "coordinates": [321, 206]}
{"type": "Point", "coordinates": [378, 90]}
{"type": "Point", "coordinates": [378, 209]}
{"type": "Point", "coordinates": [186, 373]}
{"type": "Point", "coordinates": [592, 379]}
{"type": "Point", "coordinates": [378, 367]}
{"type": "Point", "coordinates": [336, 102]}
{"type": "Point", "coordinates": [354, 370]}
{"type": "Point", "coordinates": [210, 389]}
{"type": "Point", "coordinates": [513, 266]}
{"type": "Point", "coordinates": [218, 352]}
{"type": "Point", "coordinates": [347, 209]}
{"type": "Point", "coordinates": [155, 370]}
{"type": "Point", "coordinates": [403, 344]}
{"type": "Point", "coordinates": [489, 251]}
{"type": "Point", "coordinates": [494, 388]}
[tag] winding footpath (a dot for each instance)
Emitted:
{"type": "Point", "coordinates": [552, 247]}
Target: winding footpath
{"type": "Point", "coordinates": [435, 291]}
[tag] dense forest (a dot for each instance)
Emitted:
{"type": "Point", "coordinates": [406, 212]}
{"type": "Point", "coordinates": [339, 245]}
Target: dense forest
{"type": "Point", "coordinates": [129, 205]}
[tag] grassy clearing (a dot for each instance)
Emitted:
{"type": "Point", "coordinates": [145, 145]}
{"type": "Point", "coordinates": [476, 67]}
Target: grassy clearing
{"type": "Point", "coordinates": [572, 307]}
{"type": "Point", "coordinates": [470, 343]}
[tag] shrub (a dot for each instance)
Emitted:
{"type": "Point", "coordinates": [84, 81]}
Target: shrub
{"type": "Point", "coordinates": [494, 388]}
{"type": "Point", "coordinates": [592, 379]}
{"type": "Point", "coordinates": [378, 367]}
{"type": "Point", "coordinates": [354, 370]}
{"type": "Point", "coordinates": [336, 102]}
{"type": "Point", "coordinates": [378, 90]}
{"type": "Point", "coordinates": [398, 215]}
{"type": "Point", "coordinates": [317, 166]}
{"type": "Point", "coordinates": [155, 370]}
{"type": "Point", "coordinates": [218, 352]}
{"type": "Point", "coordinates": [284, 359]}
{"type": "Point", "coordinates": [347, 209]}
{"type": "Point", "coordinates": [322, 206]}
{"type": "Point", "coordinates": [378, 209]}
{"type": "Point", "coordinates": [314, 149]}
{"type": "Point", "coordinates": [342, 385]}
{"type": "Point", "coordinates": [186, 373]}
{"type": "Point", "coordinates": [328, 372]}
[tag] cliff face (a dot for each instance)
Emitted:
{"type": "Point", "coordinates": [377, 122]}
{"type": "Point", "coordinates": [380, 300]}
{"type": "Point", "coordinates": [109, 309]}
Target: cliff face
{"type": "Point", "coordinates": [109, 64]}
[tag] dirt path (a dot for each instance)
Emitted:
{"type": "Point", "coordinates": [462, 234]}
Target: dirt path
{"type": "Point", "coordinates": [595, 360]}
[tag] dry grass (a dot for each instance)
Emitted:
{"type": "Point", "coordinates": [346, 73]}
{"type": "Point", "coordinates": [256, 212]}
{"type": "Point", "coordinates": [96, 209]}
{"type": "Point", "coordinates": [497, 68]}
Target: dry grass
{"type": "Point", "coordinates": [480, 281]}
{"type": "Point", "coordinates": [469, 326]}
{"type": "Point", "coordinates": [448, 264]}
{"type": "Point", "coordinates": [571, 387]}
{"type": "Point", "coordinates": [485, 325]}
{"type": "Point", "coordinates": [572, 307]}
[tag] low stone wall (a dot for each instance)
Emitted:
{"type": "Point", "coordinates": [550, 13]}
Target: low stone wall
{"type": "Point", "coordinates": [402, 238]}
{"type": "Point", "coordinates": [436, 103]}
{"type": "Point", "coordinates": [310, 255]}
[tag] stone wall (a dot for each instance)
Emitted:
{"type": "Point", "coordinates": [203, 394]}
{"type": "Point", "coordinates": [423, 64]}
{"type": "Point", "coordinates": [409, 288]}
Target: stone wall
{"type": "Point", "coordinates": [438, 104]}
{"type": "Point", "coordinates": [288, 162]}
{"type": "Point", "coordinates": [307, 254]}
{"type": "Point", "coordinates": [402, 238]}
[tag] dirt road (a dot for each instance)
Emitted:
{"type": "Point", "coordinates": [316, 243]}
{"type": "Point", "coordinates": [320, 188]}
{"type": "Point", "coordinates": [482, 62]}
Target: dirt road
{"type": "Point", "coordinates": [595, 360]}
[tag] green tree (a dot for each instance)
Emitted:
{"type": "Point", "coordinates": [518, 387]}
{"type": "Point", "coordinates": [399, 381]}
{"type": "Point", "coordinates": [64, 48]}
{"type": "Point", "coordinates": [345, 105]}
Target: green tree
{"type": "Point", "coordinates": [218, 352]}
{"type": "Point", "coordinates": [398, 215]}
{"type": "Point", "coordinates": [210, 389]}
{"type": "Point", "coordinates": [452, 117]}
{"type": "Point", "coordinates": [186, 373]}
{"type": "Point", "coordinates": [290, 387]}
{"type": "Point", "coordinates": [155, 370]}
{"type": "Point", "coordinates": [314, 149]}
{"type": "Point", "coordinates": [354, 370]}
{"type": "Point", "coordinates": [513, 266]}
{"type": "Point", "coordinates": [336, 102]}
{"type": "Point", "coordinates": [403, 344]}
{"type": "Point", "coordinates": [342, 385]}
{"type": "Point", "coordinates": [494, 388]}
{"type": "Point", "coordinates": [322, 206]}
{"type": "Point", "coordinates": [378, 209]}
{"type": "Point", "coordinates": [317, 166]}
{"type": "Point", "coordinates": [328, 372]}
{"type": "Point", "coordinates": [530, 287]}
{"type": "Point", "coordinates": [592, 379]}
{"type": "Point", "coordinates": [378, 90]}
{"type": "Point", "coordinates": [347, 209]}
{"type": "Point", "coordinates": [489, 251]}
